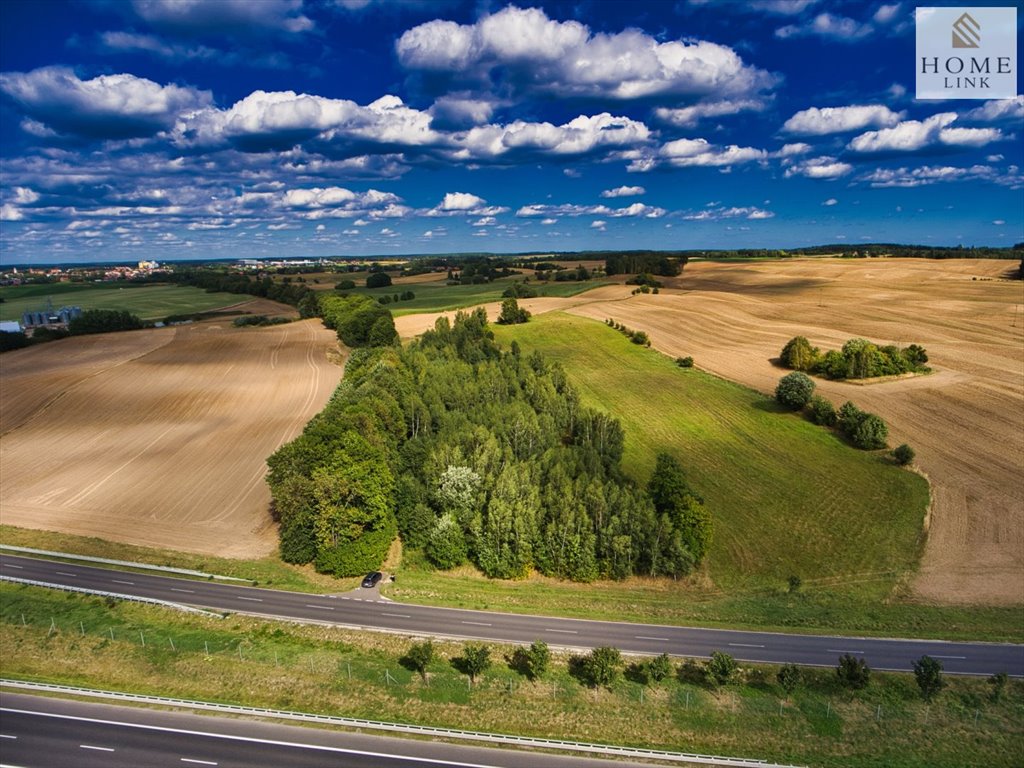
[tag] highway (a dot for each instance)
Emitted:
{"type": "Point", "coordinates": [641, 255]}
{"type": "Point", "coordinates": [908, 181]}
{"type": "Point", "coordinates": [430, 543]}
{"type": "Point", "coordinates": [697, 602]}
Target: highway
{"type": "Point", "coordinates": [43, 732]}
{"type": "Point", "coordinates": [372, 613]}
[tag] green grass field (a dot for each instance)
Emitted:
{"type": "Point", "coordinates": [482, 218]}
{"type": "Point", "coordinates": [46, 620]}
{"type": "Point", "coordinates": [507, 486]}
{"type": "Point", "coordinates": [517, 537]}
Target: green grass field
{"type": "Point", "coordinates": [318, 669]}
{"type": "Point", "coordinates": [149, 302]}
{"type": "Point", "coordinates": [440, 297]}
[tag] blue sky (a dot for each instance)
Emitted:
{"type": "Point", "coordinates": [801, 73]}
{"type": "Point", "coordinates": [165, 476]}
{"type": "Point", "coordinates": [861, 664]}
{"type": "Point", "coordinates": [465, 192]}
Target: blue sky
{"type": "Point", "coordinates": [181, 129]}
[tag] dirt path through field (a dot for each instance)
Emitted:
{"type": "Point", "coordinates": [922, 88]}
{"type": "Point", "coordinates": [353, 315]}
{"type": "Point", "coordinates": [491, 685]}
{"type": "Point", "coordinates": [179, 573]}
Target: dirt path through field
{"type": "Point", "coordinates": [159, 437]}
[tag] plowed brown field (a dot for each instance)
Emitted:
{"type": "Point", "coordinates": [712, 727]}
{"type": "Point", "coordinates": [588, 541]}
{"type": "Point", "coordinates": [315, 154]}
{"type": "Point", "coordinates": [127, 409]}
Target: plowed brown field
{"type": "Point", "coordinates": [158, 437]}
{"type": "Point", "coordinates": [966, 420]}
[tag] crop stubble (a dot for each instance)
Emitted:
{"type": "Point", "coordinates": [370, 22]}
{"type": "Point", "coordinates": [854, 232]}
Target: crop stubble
{"type": "Point", "coordinates": [159, 437]}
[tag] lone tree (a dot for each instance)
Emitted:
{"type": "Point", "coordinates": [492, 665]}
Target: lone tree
{"type": "Point", "coordinates": [794, 390]}
{"type": "Point", "coordinates": [789, 676]}
{"type": "Point", "coordinates": [533, 661]}
{"type": "Point", "coordinates": [659, 668]}
{"type": "Point", "coordinates": [903, 454]}
{"type": "Point", "coordinates": [852, 672]}
{"type": "Point", "coordinates": [601, 666]}
{"type": "Point", "coordinates": [378, 280]}
{"type": "Point", "coordinates": [999, 679]}
{"type": "Point", "coordinates": [475, 659]}
{"type": "Point", "coordinates": [720, 669]}
{"type": "Point", "coordinates": [821, 411]}
{"type": "Point", "coordinates": [419, 657]}
{"type": "Point", "coordinates": [799, 355]}
{"type": "Point", "coordinates": [511, 313]}
{"type": "Point", "coordinates": [928, 672]}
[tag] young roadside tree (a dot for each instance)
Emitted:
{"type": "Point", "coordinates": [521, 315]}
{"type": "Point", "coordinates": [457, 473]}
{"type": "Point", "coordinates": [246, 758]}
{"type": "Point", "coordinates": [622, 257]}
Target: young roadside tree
{"type": "Point", "coordinates": [533, 661]}
{"type": "Point", "coordinates": [852, 672]}
{"type": "Point", "coordinates": [475, 659]}
{"type": "Point", "coordinates": [794, 390]}
{"type": "Point", "coordinates": [720, 669]}
{"type": "Point", "coordinates": [903, 454]}
{"type": "Point", "coordinates": [419, 657]}
{"type": "Point", "coordinates": [999, 679]}
{"type": "Point", "coordinates": [602, 666]}
{"type": "Point", "coordinates": [928, 672]}
{"type": "Point", "coordinates": [789, 677]}
{"type": "Point", "coordinates": [659, 668]}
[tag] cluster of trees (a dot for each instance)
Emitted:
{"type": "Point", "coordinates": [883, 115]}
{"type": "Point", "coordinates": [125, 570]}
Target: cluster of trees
{"type": "Point", "coordinates": [865, 430]}
{"type": "Point", "coordinates": [644, 278]}
{"type": "Point", "coordinates": [260, 320]}
{"type": "Point", "coordinates": [104, 321]}
{"type": "Point", "coordinates": [512, 313]}
{"type": "Point", "coordinates": [858, 359]}
{"type": "Point", "coordinates": [474, 453]}
{"type": "Point", "coordinates": [476, 270]}
{"type": "Point", "coordinates": [562, 275]}
{"type": "Point", "coordinates": [403, 296]}
{"type": "Point", "coordinates": [637, 337]}
{"type": "Point", "coordinates": [360, 321]}
{"type": "Point", "coordinates": [378, 280]}
{"type": "Point", "coordinates": [666, 264]}
{"type": "Point", "coordinates": [520, 290]}
{"type": "Point", "coordinates": [213, 281]}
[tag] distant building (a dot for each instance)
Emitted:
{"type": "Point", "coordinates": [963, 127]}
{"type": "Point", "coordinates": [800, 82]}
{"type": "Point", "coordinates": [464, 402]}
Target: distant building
{"type": "Point", "coordinates": [49, 316]}
{"type": "Point", "coordinates": [148, 265]}
{"type": "Point", "coordinates": [10, 326]}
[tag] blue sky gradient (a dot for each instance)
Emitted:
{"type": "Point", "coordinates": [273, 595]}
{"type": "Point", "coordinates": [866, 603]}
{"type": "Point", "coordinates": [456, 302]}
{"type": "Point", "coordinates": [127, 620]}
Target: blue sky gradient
{"type": "Point", "coordinates": [180, 129]}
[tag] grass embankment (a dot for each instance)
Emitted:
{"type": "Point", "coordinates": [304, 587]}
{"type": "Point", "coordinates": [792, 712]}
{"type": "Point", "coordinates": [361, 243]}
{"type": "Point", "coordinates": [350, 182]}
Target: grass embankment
{"type": "Point", "coordinates": [788, 498]}
{"type": "Point", "coordinates": [331, 671]}
{"type": "Point", "coordinates": [149, 302]}
{"type": "Point", "coordinates": [441, 297]}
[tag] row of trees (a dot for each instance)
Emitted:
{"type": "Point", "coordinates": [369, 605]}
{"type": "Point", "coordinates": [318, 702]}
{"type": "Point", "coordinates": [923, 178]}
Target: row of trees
{"type": "Point", "coordinates": [865, 430]}
{"type": "Point", "coordinates": [213, 281]}
{"type": "Point", "coordinates": [858, 359]}
{"type": "Point", "coordinates": [474, 453]}
{"type": "Point", "coordinates": [653, 262]}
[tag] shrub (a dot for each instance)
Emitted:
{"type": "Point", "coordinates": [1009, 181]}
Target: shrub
{"type": "Point", "coordinates": [999, 679]}
{"type": "Point", "coordinates": [533, 661]}
{"type": "Point", "coordinates": [640, 337]}
{"type": "Point", "coordinates": [378, 280]}
{"type": "Point", "coordinates": [659, 668]}
{"type": "Point", "coordinates": [789, 676]}
{"type": "Point", "coordinates": [419, 657]}
{"type": "Point", "coordinates": [684, 362]}
{"type": "Point", "coordinates": [794, 390]}
{"type": "Point", "coordinates": [794, 583]}
{"type": "Point", "coordinates": [903, 454]}
{"type": "Point", "coordinates": [600, 667]}
{"type": "Point", "coordinates": [870, 434]}
{"type": "Point", "coordinates": [345, 285]}
{"type": "Point", "coordinates": [853, 672]}
{"type": "Point", "coordinates": [799, 355]}
{"type": "Point", "coordinates": [928, 673]}
{"type": "Point", "coordinates": [821, 411]}
{"type": "Point", "coordinates": [720, 669]}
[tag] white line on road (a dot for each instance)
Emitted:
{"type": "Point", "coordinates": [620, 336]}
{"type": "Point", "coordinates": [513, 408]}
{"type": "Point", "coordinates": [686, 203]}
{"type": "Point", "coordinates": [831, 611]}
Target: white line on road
{"type": "Point", "coordinates": [6, 736]}
{"type": "Point", "coordinates": [321, 607]}
{"type": "Point", "coordinates": [197, 762]}
{"type": "Point", "coordinates": [118, 581]}
{"type": "Point", "coordinates": [478, 623]}
{"type": "Point", "coordinates": [252, 599]}
{"type": "Point", "coordinates": [98, 749]}
{"type": "Point", "coordinates": [12, 565]}
{"type": "Point", "coordinates": [397, 615]}
{"type": "Point", "coordinates": [65, 573]}
{"type": "Point", "coordinates": [745, 645]}
{"type": "Point", "coordinates": [189, 591]}
{"type": "Point", "coordinates": [563, 631]}
{"type": "Point", "coordinates": [646, 637]}
{"type": "Point", "coordinates": [948, 657]}
{"type": "Point", "coordinates": [835, 650]}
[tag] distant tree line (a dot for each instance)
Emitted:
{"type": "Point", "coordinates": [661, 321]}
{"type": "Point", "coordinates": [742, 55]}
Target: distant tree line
{"type": "Point", "coordinates": [214, 281]}
{"type": "Point", "coordinates": [870, 250]}
{"type": "Point", "coordinates": [473, 453]}
{"type": "Point", "coordinates": [858, 359]}
{"type": "Point", "coordinates": [653, 262]}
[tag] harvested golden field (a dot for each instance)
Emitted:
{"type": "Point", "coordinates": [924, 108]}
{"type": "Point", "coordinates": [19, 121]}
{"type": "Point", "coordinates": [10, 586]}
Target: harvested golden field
{"type": "Point", "coordinates": [159, 437]}
{"type": "Point", "coordinates": [966, 420]}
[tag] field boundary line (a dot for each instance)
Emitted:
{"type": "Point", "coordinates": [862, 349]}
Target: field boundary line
{"type": "Point", "coordinates": [422, 730]}
{"type": "Point", "coordinates": [113, 595]}
{"type": "Point", "coordinates": [126, 563]}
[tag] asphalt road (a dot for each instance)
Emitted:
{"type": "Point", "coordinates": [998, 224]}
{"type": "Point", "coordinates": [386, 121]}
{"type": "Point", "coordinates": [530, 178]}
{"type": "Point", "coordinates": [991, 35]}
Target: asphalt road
{"type": "Point", "coordinates": [44, 732]}
{"type": "Point", "coordinates": [372, 613]}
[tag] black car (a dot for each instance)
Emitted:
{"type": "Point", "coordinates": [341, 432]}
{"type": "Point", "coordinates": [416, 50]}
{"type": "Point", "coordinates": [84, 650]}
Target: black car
{"type": "Point", "coordinates": [371, 579]}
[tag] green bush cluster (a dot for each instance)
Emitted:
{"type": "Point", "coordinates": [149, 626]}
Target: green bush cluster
{"type": "Point", "coordinates": [858, 359]}
{"type": "Point", "coordinates": [864, 430]}
{"type": "Point", "coordinates": [472, 452]}
{"type": "Point", "coordinates": [359, 320]}
{"type": "Point", "coordinates": [104, 321]}
{"type": "Point", "coordinates": [512, 313]}
{"type": "Point", "coordinates": [378, 280]}
{"type": "Point", "coordinates": [637, 337]}
{"type": "Point", "coordinates": [259, 320]}
{"type": "Point", "coordinates": [519, 290]}
{"type": "Point", "coordinates": [397, 297]}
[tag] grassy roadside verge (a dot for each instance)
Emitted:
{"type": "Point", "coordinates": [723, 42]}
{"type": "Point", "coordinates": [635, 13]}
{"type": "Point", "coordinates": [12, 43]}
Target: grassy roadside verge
{"type": "Point", "coordinates": [328, 670]}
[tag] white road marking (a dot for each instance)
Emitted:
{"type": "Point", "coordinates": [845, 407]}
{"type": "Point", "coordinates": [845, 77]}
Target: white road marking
{"type": "Point", "coordinates": [252, 599]}
{"type": "Point", "coordinates": [197, 762]}
{"type": "Point", "coordinates": [65, 573]}
{"type": "Point", "coordinates": [563, 631]}
{"type": "Point", "coordinates": [6, 736]}
{"type": "Point", "coordinates": [98, 749]}
{"type": "Point", "coordinates": [397, 615]}
{"type": "Point", "coordinates": [645, 637]}
{"type": "Point", "coordinates": [834, 650]}
{"type": "Point", "coordinates": [478, 623]}
{"type": "Point", "coordinates": [745, 645]}
{"type": "Point", "coordinates": [189, 591]}
{"type": "Point", "coordinates": [321, 607]}
{"type": "Point", "coordinates": [251, 740]}
{"type": "Point", "coordinates": [118, 581]}
{"type": "Point", "coordinates": [949, 657]}
{"type": "Point", "coordinates": [12, 565]}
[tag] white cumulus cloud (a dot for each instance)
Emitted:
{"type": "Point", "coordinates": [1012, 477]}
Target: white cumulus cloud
{"type": "Point", "coordinates": [839, 28]}
{"type": "Point", "coordinates": [912, 135]}
{"type": "Point", "coordinates": [688, 117]}
{"type": "Point", "coordinates": [826, 120]}
{"type": "Point", "coordinates": [623, 192]}
{"type": "Point", "coordinates": [824, 167]}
